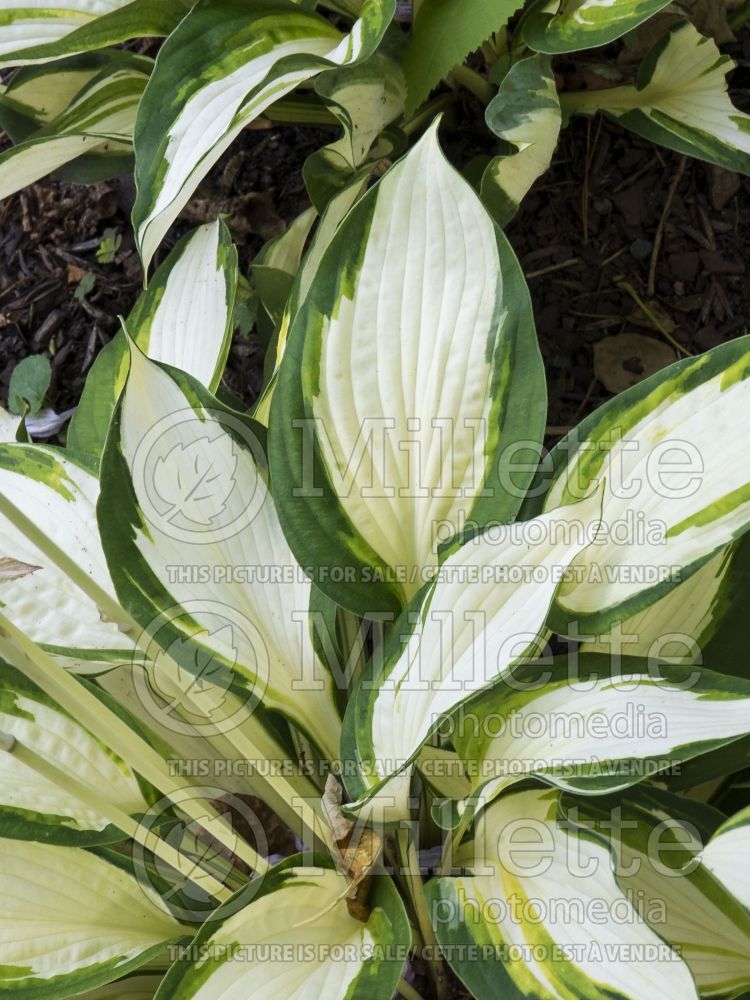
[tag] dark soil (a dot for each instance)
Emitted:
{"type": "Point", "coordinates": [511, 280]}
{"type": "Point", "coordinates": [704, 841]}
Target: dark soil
{"type": "Point", "coordinates": [586, 237]}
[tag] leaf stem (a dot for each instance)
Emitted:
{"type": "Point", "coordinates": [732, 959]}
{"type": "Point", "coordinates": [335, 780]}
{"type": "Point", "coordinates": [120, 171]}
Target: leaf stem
{"type": "Point", "coordinates": [414, 886]}
{"type": "Point", "coordinates": [407, 991]}
{"type": "Point", "coordinates": [85, 707]}
{"type": "Point", "coordinates": [474, 82]}
{"type": "Point", "coordinates": [427, 112]}
{"type": "Point", "coordinates": [77, 790]}
{"type": "Point", "coordinates": [452, 839]}
{"type": "Point", "coordinates": [588, 102]}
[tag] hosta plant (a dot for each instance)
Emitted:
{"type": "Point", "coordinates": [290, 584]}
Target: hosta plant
{"type": "Point", "coordinates": [80, 106]}
{"type": "Point", "coordinates": [371, 696]}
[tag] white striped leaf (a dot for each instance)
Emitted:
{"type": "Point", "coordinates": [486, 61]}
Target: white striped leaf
{"type": "Point", "coordinates": [539, 914]}
{"type": "Point", "coordinates": [525, 113]}
{"type": "Point", "coordinates": [196, 550]}
{"type": "Point", "coordinates": [40, 93]}
{"type": "Point", "coordinates": [676, 490]}
{"type": "Point", "coordinates": [410, 376]}
{"type": "Point", "coordinates": [680, 626]}
{"type": "Point", "coordinates": [655, 840]}
{"type": "Point", "coordinates": [34, 31]}
{"type": "Point", "coordinates": [72, 920]}
{"type": "Point", "coordinates": [219, 70]}
{"type": "Point", "coordinates": [300, 913]}
{"type": "Point", "coordinates": [100, 119]}
{"type": "Point", "coordinates": [680, 101]}
{"type": "Point", "coordinates": [726, 857]}
{"type": "Point", "coordinates": [555, 26]}
{"type": "Point", "coordinates": [59, 496]}
{"type": "Point", "coordinates": [607, 727]}
{"type": "Point", "coordinates": [462, 635]}
{"type": "Point", "coordinates": [32, 807]}
{"type": "Point", "coordinates": [184, 318]}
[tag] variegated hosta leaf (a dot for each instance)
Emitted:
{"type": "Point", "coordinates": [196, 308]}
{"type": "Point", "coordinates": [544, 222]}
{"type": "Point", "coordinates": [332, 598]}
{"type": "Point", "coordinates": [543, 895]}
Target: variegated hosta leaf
{"type": "Point", "coordinates": [184, 318]}
{"type": "Point", "coordinates": [540, 914]}
{"type": "Point", "coordinates": [301, 913]}
{"type": "Point", "coordinates": [676, 490]}
{"type": "Point", "coordinates": [483, 614]}
{"type": "Point", "coordinates": [196, 550]}
{"type": "Point", "coordinates": [100, 119]}
{"type": "Point", "coordinates": [40, 30]}
{"type": "Point", "coordinates": [443, 771]}
{"type": "Point", "coordinates": [219, 70]}
{"type": "Point", "coordinates": [679, 626]}
{"type": "Point", "coordinates": [680, 101]}
{"type": "Point", "coordinates": [411, 374]}
{"type": "Point", "coordinates": [9, 424]}
{"type": "Point", "coordinates": [277, 264]}
{"type": "Point", "coordinates": [59, 496]}
{"type": "Point", "coordinates": [33, 808]}
{"type": "Point", "coordinates": [655, 840]}
{"type": "Point", "coordinates": [365, 99]}
{"type": "Point", "coordinates": [607, 727]}
{"type": "Point", "coordinates": [555, 26]}
{"type": "Point", "coordinates": [36, 95]}
{"type": "Point", "coordinates": [337, 208]}
{"type": "Point", "coordinates": [525, 113]}
{"type": "Point", "coordinates": [726, 855]}
{"type": "Point", "coordinates": [72, 921]}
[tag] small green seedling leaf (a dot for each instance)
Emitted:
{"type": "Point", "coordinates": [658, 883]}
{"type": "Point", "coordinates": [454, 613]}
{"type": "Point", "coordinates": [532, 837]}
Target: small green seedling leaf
{"type": "Point", "coordinates": [110, 244]}
{"type": "Point", "coordinates": [84, 286]}
{"type": "Point", "coordinates": [28, 385]}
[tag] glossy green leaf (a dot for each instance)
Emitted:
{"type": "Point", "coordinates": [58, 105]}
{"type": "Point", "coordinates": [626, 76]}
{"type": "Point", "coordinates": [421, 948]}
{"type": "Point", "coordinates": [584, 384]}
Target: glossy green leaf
{"type": "Point", "coordinates": [444, 33]}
